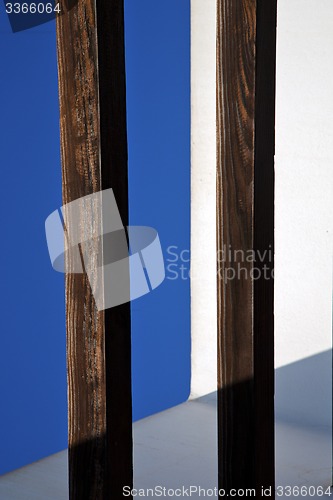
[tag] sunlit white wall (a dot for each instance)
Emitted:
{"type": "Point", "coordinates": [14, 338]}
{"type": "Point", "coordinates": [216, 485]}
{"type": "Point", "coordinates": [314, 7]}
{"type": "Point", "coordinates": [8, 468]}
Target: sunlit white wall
{"type": "Point", "coordinates": [304, 194]}
{"type": "Point", "coordinates": [304, 179]}
{"type": "Point", "coordinates": [203, 197]}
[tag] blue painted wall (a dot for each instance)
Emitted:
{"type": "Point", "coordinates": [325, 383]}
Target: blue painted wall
{"type": "Point", "coordinates": [33, 418]}
{"type": "Point", "coordinates": [158, 102]}
{"type": "Point", "coordinates": [32, 367]}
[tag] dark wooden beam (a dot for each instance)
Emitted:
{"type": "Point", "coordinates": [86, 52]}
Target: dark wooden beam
{"type": "Point", "coordinates": [91, 62]}
{"type": "Point", "coordinates": [246, 46]}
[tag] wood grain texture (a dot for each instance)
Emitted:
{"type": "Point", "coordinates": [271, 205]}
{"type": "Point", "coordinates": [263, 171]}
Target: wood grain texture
{"type": "Point", "coordinates": [90, 44]}
{"type": "Point", "coordinates": [246, 31]}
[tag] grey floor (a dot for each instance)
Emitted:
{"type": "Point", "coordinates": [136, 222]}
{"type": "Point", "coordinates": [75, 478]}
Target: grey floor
{"type": "Point", "coordinates": [177, 448]}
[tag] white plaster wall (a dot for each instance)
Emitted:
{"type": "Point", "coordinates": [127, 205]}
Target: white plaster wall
{"type": "Point", "coordinates": [203, 204]}
{"type": "Point", "coordinates": [304, 215]}
{"type": "Point", "coordinates": [304, 179]}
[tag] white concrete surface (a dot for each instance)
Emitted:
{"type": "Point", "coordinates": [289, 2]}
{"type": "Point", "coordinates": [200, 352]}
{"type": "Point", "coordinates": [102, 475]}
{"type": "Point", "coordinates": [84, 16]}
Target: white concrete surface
{"type": "Point", "coordinates": [304, 391]}
{"type": "Point", "coordinates": [177, 448]}
{"type": "Point", "coordinates": [303, 457]}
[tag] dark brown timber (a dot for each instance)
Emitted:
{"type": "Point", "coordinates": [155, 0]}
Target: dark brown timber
{"type": "Point", "coordinates": [246, 46]}
{"type": "Point", "coordinates": [90, 41]}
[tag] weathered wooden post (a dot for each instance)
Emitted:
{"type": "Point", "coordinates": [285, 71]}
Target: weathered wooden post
{"type": "Point", "coordinates": [91, 61]}
{"type": "Point", "coordinates": [246, 45]}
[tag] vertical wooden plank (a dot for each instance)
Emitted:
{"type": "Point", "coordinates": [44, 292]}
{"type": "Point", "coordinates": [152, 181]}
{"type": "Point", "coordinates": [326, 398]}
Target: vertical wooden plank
{"type": "Point", "coordinates": [113, 130]}
{"type": "Point", "coordinates": [263, 241]}
{"type": "Point", "coordinates": [246, 40]}
{"type": "Point", "coordinates": [236, 27]}
{"type": "Point", "coordinates": [90, 41]}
